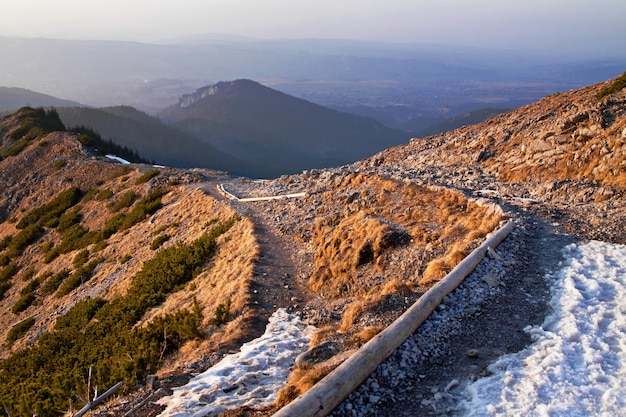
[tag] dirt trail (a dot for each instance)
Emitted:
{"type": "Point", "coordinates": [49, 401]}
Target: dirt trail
{"type": "Point", "coordinates": [278, 278]}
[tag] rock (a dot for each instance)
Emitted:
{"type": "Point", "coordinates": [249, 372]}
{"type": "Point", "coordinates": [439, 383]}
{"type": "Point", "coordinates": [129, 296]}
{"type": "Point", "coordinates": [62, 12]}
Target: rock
{"type": "Point", "coordinates": [491, 280]}
{"type": "Point", "coordinates": [472, 353]}
{"type": "Point", "coordinates": [317, 354]}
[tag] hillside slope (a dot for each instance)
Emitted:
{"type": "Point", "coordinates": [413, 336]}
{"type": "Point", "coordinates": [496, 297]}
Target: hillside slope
{"type": "Point", "coordinates": [13, 98]}
{"type": "Point", "coordinates": [153, 139]}
{"type": "Point", "coordinates": [284, 134]}
{"type": "Point", "coordinates": [101, 262]}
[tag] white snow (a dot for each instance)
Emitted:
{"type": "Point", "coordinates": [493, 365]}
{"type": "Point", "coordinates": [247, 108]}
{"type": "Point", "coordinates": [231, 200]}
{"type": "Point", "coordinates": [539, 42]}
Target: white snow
{"type": "Point", "coordinates": [577, 363]}
{"type": "Point", "coordinates": [118, 159]}
{"type": "Point", "coordinates": [250, 377]}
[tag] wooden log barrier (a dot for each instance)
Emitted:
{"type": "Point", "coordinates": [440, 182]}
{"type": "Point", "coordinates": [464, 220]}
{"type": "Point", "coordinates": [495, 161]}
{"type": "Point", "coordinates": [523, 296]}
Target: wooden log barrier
{"type": "Point", "coordinates": [328, 393]}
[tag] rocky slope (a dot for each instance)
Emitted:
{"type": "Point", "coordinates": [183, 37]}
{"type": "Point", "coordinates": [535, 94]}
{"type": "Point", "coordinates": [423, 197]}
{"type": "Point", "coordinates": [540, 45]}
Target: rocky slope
{"type": "Point", "coordinates": [364, 242]}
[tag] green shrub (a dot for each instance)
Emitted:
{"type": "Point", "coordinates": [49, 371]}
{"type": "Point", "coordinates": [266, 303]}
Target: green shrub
{"type": "Point", "coordinates": [104, 195]}
{"type": "Point", "coordinates": [34, 124]}
{"type": "Point", "coordinates": [54, 281]}
{"type": "Point", "coordinates": [33, 285]}
{"type": "Point", "coordinates": [69, 219]}
{"type": "Point", "coordinates": [28, 274]}
{"type": "Point", "coordinates": [23, 239]}
{"type": "Point", "coordinates": [81, 258]}
{"type": "Point", "coordinates": [125, 201]}
{"type": "Point", "coordinates": [4, 243]}
{"type": "Point", "coordinates": [125, 259]}
{"type": "Point", "coordinates": [19, 330]}
{"type": "Point", "coordinates": [105, 335]}
{"type": "Point", "coordinates": [17, 147]}
{"type": "Point", "coordinates": [59, 164]}
{"type": "Point", "coordinates": [147, 176]}
{"type": "Point", "coordinates": [100, 245]}
{"type": "Point", "coordinates": [78, 278]}
{"type": "Point", "coordinates": [159, 240]}
{"type": "Point", "coordinates": [23, 302]}
{"type": "Point", "coordinates": [222, 313]}
{"type": "Point", "coordinates": [4, 287]}
{"type": "Point", "coordinates": [54, 208]}
{"type": "Point", "coordinates": [47, 247]}
{"type": "Point", "coordinates": [51, 255]}
{"type": "Point", "coordinates": [76, 237]}
{"type": "Point", "coordinates": [4, 260]}
{"type": "Point", "coordinates": [616, 86]}
{"type": "Point", "coordinates": [9, 272]}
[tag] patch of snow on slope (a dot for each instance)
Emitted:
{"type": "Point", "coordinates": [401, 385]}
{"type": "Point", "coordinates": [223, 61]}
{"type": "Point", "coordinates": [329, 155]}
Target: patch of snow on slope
{"type": "Point", "coordinates": [118, 159]}
{"type": "Point", "coordinates": [251, 377]}
{"type": "Point", "coordinates": [577, 364]}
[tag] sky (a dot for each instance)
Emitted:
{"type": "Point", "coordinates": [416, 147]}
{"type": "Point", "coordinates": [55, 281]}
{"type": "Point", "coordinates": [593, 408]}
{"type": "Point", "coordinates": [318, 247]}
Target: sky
{"type": "Point", "coordinates": [579, 25]}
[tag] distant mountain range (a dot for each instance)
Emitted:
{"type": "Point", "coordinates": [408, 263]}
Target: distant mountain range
{"type": "Point", "coordinates": [12, 98]}
{"type": "Point", "coordinates": [241, 127]}
{"type": "Point", "coordinates": [284, 134]}
{"type": "Point", "coordinates": [390, 82]}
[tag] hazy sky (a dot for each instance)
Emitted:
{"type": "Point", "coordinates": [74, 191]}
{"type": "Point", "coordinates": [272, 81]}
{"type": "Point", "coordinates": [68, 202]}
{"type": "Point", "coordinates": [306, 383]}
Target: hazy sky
{"type": "Point", "coordinates": [576, 25]}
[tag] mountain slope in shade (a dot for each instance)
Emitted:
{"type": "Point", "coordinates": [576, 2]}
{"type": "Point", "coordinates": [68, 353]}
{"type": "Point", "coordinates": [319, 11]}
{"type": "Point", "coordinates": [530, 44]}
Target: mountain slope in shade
{"type": "Point", "coordinates": [261, 125]}
{"type": "Point", "coordinates": [12, 98]}
{"type": "Point", "coordinates": [153, 139]}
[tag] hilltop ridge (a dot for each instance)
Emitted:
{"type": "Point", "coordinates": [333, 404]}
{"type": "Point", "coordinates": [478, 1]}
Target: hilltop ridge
{"type": "Point", "coordinates": [279, 133]}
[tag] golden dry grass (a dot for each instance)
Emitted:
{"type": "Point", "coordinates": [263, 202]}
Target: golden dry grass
{"type": "Point", "coordinates": [300, 381]}
{"type": "Point", "coordinates": [363, 336]}
{"type": "Point", "coordinates": [386, 215]}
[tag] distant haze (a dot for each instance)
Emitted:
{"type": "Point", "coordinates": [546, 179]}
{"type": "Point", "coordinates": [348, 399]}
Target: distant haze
{"type": "Point", "coordinates": [573, 27]}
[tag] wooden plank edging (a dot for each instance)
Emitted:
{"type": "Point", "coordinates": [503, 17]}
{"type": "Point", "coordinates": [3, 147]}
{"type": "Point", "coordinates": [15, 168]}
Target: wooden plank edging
{"type": "Point", "coordinates": [328, 393]}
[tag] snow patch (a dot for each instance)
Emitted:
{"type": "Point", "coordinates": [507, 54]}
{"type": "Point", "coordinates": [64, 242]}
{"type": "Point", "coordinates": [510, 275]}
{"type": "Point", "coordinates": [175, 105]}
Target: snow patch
{"type": "Point", "coordinates": [577, 364]}
{"type": "Point", "coordinates": [251, 377]}
{"type": "Point", "coordinates": [118, 159]}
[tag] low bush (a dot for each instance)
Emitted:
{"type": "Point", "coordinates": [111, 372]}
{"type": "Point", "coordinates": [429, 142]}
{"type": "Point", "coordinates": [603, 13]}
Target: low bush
{"type": "Point", "coordinates": [23, 302]}
{"type": "Point", "coordinates": [23, 239]}
{"type": "Point", "coordinates": [104, 195]}
{"type": "Point", "coordinates": [222, 313]}
{"type": "Point", "coordinates": [616, 86]}
{"type": "Point", "coordinates": [147, 176]}
{"type": "Point", "coordinates": [159, 240]}
{"type": "Point", "coordinates": [78, 278]}
{"type": "Point", "coordinates": [54, 281]}
{"type": "Point", "coordinates": [69, 219]}
{"type": "Point", "coordinates": [81, 258]}
{"type": "Point", "coordinates": [124, 201]}
{"type": "Point", "coordinates": [18, 331]}
{"type": "Point", "coordinates": [53, 209]}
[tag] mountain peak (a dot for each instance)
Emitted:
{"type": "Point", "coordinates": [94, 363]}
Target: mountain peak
{"type": "Point", "coordinates": [221, 87]}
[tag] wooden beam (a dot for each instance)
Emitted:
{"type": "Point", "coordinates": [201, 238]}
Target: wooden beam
{"type": "Point", "coordinates": [328, 393]}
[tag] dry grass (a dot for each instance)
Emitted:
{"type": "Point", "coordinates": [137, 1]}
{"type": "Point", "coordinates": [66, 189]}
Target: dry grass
{"type": "Point", "coordinates": [300, 381]}
{"type": "Point", "coordinates": [385, 215]}
{"type": "Point", "coordinates": [357, 240]}
{"type": "Point", "coordinates": [323, 334]}
{"type": "Point", "coordinates": [363, 336]}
